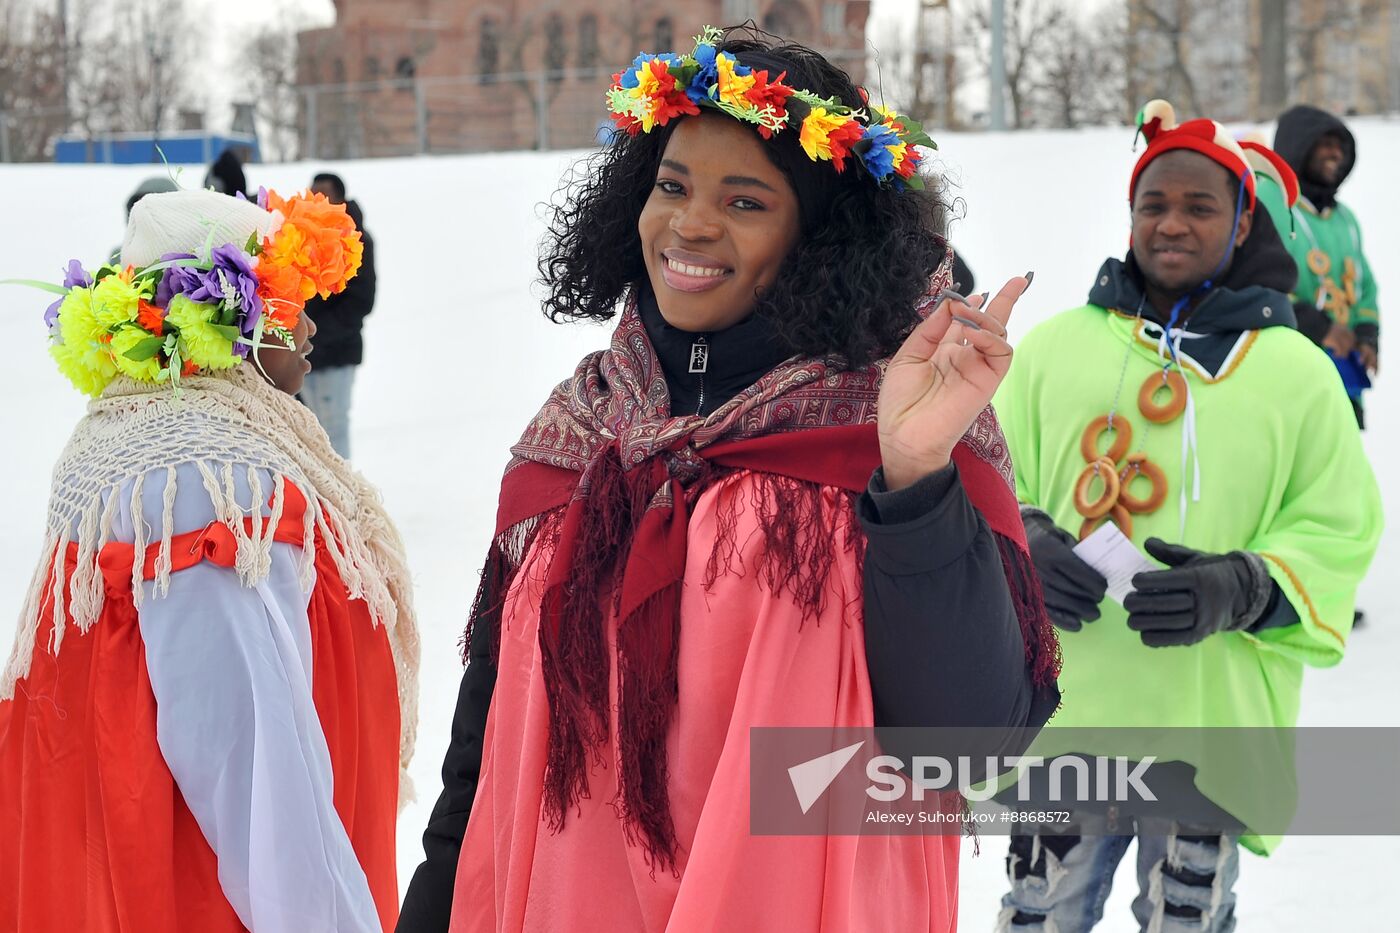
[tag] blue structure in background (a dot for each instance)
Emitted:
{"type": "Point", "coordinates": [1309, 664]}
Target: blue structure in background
{"type": "Point", "coordinates": [193, 147]}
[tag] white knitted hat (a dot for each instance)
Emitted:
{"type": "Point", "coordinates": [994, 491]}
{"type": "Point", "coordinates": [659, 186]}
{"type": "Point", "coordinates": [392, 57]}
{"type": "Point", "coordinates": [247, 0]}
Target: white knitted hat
{"type": "Point", "coordinates": [180, 222]}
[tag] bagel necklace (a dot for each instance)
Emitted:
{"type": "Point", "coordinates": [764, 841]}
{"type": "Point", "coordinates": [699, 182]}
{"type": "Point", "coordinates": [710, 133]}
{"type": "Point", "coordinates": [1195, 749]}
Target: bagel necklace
{"type": "Point", "coordinates": [1112, 503]}
{"type": "Point", "coordinates": [1115, 502]}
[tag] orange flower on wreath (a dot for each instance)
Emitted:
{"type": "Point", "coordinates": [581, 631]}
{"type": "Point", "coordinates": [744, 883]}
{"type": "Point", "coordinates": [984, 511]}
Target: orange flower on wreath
{"type": "Point", "coordinates": [317, 240]}
{"type": "Point", "coordinates": [149, 317]}
{"type": "Point", "coordinates": [282, 290]}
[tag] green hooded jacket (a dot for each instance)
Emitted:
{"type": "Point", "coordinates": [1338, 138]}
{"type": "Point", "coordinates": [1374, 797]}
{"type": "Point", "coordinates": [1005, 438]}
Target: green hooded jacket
{"type": "Point", "coordinates": [1325, 241]}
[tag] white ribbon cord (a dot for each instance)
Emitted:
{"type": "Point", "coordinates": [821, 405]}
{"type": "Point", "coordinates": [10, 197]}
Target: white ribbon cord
{"type": "Point", "coordinates": [1190, 449]}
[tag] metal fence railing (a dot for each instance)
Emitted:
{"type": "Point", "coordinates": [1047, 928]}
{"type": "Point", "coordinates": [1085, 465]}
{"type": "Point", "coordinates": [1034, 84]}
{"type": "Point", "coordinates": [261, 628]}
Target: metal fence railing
{"type": "Point", "coordinates": [472, 113]}
{"type": "Point", "coordinates": [469, 113]}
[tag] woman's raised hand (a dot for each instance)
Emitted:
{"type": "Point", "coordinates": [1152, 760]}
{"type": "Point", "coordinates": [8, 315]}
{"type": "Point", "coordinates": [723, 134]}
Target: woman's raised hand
{"type": "Point", "coordinates": [940, 380]}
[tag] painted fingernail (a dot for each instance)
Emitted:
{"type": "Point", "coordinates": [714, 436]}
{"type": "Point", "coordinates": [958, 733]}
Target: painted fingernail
{"type": "Point", "coordinates": [949, 293]}
{"type": "Point", "coordinates": [1030, 276]}
{"type": "Point", "coordinates": [984, 296]}
{"type": "Point", "coordinates": [966, 322]}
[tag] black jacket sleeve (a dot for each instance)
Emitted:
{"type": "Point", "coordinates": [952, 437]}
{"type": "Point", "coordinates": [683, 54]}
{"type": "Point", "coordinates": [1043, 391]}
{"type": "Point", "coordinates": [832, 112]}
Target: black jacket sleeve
{"type": "Point", "coordinates": [942, 640]}
{"type": "Point", "coordinates": [427, 907]}
{"type": "Point", "coordinates": [1313, 322]}
{"type": "Point", "coordinates": [963, 279]}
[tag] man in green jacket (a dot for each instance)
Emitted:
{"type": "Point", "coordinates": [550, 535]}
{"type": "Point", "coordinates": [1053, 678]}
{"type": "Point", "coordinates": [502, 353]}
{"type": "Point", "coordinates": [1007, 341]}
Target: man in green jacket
{"type": "Point", "coordinates": [1335, 298]}
{"type": "Point", "coordinates": [1156, 407]}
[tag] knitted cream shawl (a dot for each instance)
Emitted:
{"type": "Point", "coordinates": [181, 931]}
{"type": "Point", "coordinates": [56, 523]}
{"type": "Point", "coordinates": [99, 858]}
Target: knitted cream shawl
{"type": "Point", "coordinates": [233, 421]}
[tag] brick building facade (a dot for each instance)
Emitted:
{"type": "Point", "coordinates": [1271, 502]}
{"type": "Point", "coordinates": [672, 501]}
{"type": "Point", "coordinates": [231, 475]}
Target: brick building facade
{"type": "Point", "coordinates": [403, 76]}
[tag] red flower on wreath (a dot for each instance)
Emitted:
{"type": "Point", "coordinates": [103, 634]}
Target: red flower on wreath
{"type": "Point", "coordinates": [909, 164]}
{"type": "Point", "coordinates": [842, 139]}
{"type": "Point", "coordinates": [774, 94]}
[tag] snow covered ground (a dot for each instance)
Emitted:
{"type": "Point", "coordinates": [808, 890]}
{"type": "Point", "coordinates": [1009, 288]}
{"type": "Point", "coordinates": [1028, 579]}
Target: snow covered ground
{"type": "Point", "coordinates": [459, 357]}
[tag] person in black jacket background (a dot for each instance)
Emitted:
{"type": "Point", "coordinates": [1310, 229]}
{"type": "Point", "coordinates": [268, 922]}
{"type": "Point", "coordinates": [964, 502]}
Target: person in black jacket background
{"type": "Point", "coordinates": [339, 344]}
{"type": "Point", "coordinates": [226, 175]}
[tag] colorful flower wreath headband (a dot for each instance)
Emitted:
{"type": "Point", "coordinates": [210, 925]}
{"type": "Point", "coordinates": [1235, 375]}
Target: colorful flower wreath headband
{"type": "Point", "coordinates": [205, 310]}
{"type": "Point", "coordinates": [659, 88]}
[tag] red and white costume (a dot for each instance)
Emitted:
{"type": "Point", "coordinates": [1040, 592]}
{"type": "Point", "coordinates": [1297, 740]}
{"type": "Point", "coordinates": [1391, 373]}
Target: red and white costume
{"type": "Point", "coordinates": [212, 694]}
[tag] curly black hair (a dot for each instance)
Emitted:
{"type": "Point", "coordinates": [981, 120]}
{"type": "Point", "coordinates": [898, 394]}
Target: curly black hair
{"type": "Point", "coordinates": [848, 289]}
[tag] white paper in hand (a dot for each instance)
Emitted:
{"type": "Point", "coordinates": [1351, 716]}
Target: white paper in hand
{"type": "Point", "coordinates": [1110, 552]}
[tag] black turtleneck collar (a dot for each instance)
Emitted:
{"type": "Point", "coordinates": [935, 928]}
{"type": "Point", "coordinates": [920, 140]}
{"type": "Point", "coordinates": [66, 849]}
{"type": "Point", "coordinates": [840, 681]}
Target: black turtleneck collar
{"type": "Point", "coordinates": [732, 359]}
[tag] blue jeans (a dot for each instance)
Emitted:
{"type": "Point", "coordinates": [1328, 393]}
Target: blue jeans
{"type": "Point", "coordinates": [1060, 882]}
{"type": "Point", "coordinates": [327, 393]}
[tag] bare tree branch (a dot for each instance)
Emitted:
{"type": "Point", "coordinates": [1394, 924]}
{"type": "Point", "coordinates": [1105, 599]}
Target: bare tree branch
{"type": "Point", "coordinates": [1173, 29]}
{"type": "Point", "coordinates": [32, 112]}
{"type": "Point", "coordinates": [271, 57]}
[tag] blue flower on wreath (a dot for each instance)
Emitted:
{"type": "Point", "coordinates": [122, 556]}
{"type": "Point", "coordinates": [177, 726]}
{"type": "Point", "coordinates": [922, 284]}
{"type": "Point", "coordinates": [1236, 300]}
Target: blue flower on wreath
{"type": "Point", "coordinates": [706, 76]}
{"type": "Point", "coordinates": [878, 159]}
{"type": "Point", "coordinates": [629, 77]}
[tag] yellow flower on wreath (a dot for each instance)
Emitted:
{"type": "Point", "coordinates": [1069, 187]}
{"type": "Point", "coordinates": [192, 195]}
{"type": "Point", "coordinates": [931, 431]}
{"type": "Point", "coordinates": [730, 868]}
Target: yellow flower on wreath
{"type": "Point", "coordinates": [816, 132]}
{"type": "Point", "coordinates": [200, 343]}
{"type": "Point", "coordinates": [147, 370]}
{"type": "Point", "coordinates": [733, 87]}
{"type": "Point", "coordinates": [82, 350]}
{"type": "Point", "coordinates": [115, 301]}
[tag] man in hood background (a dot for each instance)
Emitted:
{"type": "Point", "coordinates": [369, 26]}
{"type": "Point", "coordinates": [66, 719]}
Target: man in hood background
{"type": "Point", "coordinates": [1335, 298]}
{"type": "Point", "coordinates": [1156, 407]}
{"type": "Point", "coordinates": [339, 347]}
{"type": "Point", "coordinates": [226, 175]}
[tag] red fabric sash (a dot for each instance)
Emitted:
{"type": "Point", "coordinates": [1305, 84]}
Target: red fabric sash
{"type": "Point", "coordinates": [214, 543]}
{"type": "Point", "coordinates": [646, 580]}
{"type": "Point", "coordinates": [843, 457]}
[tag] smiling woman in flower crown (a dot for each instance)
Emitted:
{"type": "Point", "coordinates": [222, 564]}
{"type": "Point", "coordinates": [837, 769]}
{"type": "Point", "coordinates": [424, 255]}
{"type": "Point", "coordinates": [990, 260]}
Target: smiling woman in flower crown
{"type": "Point", "coordinates": [778, 499]}
{"type": "Point", "coordinates": [212, 692]}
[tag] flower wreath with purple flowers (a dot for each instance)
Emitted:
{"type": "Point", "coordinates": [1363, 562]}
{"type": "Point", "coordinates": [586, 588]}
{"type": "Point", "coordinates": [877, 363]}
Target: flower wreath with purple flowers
{"type": "Point", "coordinates": [201, 311]}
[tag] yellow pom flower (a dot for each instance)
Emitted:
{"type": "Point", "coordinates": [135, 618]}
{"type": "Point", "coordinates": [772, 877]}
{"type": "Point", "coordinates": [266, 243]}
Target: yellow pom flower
{"type": "Point", "coordinates": [115, 301]}
{"type": "Point", "coordinates": [84, 354]}
{"type": "Point", "coordinates": [200, 343]}
{"type": "Point", "coordinates": [85, 379]}
{"type": "Point", "coordinates": [816, 133]}
{"type": "Point", "coordinates": [733, 87]}
{"type": "Point", "coordinates": [899, 152]}
{"type": "Point", "coordinates": [829, 136]}
{"type": "Point", "coordinates": [147, 370]}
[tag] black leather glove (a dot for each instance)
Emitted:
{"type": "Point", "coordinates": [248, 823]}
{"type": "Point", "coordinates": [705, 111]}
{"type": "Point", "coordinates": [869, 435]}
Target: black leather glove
{"type": "Point", "coordinates": [1200, 595]}
{"type": "Point", "coordinates": [1368, 334]}
{"type": "Point", "coordinates": [1073, 589]}
{"type": "Point", "coordinates": [1368, 337]}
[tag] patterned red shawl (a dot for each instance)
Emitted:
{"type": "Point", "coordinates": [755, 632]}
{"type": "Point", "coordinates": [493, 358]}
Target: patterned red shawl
{"type": "Point", "coordinates": [609, 476]}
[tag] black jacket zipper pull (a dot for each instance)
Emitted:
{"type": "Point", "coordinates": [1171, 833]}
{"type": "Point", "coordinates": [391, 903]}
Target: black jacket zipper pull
{"type": "Point", "coordinates": [699, 364]}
